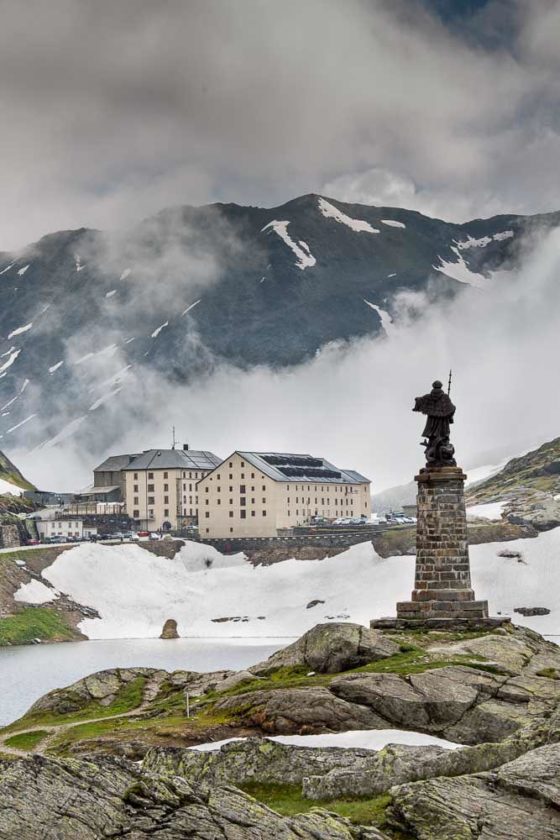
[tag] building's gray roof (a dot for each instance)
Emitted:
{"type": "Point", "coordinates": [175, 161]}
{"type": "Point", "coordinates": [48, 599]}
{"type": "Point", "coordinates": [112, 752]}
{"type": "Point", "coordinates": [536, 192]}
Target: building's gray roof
{"type": "Point", "coordinates": [98, 491]}
{"type": "Point", "coordinates": [115, 463]}
{"type": "Point", "coordinates": [284, 466]}
{"type": "Point", "coordinates": [172, 459]}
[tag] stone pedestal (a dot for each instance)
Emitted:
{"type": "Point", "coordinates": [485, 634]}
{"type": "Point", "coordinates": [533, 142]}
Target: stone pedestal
{"type": "Point", "coordinates": [443, 595]}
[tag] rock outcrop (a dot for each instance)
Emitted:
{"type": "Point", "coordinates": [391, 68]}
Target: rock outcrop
{"type": "Point", "coordinates": [331, 648]}
{"type": "Point", "coordinates": [108, 797]}
{"type": "Point", "coordinates": [169, 630]}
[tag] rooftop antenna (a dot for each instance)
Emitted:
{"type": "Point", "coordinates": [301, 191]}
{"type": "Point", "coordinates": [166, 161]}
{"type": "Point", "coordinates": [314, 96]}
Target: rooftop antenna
{"type": "Point", "coordinates": [449, 382]}
{"type": "Point", "coordinates": [174, 439]}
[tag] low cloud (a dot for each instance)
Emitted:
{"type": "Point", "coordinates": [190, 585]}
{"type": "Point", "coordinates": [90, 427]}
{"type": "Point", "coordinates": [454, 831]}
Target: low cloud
{"type": "Point", "coordinates": [352, 403]}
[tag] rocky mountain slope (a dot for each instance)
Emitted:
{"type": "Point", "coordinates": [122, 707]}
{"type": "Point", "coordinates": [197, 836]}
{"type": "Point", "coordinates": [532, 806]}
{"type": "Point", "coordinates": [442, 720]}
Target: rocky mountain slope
{"type": "Point", "coordinates": [528, 487]}
{"type": "Point", "coordinates": [497, 693]}
{"type": "Point", "coordinates": [85, 314]}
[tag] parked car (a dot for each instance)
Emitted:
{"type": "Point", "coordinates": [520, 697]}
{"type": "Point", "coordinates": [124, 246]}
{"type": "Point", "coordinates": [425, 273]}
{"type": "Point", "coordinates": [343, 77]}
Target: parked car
{"type": "Point", "coordinates": [33, 542]}
{"type": "Point", "coordinates": [342, 520]}
{"type": "Point", "coordinates": [155, 536]}
{"type": "Point", "coordinates": [143, 533]}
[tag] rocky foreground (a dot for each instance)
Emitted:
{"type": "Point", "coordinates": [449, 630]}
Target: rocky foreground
{"type": "Point", "coordinates": [109, 757]}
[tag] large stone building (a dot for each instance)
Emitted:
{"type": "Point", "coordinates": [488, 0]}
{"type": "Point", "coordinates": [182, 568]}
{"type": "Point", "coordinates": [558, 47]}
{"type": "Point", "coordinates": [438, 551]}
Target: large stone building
{"type": "Point", "coordinates": [161, 486]}
{"type": "Point", "coordinates": [254, 494]}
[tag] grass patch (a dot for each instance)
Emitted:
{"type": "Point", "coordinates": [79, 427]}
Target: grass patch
{"type": "Point", "coordinates": [128, 699]}
{"type": "Point", "coordinates": [34, 623]}
{"type": "Point", "coordinates": [549, 673]}
{"type": "Point", "coordinates": [289, 801]}
{"type": "Point", "coordinates": [26, 740]}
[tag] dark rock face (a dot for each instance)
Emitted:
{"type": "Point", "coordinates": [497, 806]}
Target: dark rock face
{"type": "Point", "coordinates": [331, 648]}
{"type": "Point", "coordinates": [169, 630]}
{"type": "Point", "coordinates": [108, 797]}
{"type": "Point", "coordinates": [203, 271]}
{"type": "Point", "coordinates": [532, 610]}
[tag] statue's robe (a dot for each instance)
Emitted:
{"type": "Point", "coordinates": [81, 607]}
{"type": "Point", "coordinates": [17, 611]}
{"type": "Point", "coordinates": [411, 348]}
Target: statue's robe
{"type": "Point", "coordinates": [439, 410]}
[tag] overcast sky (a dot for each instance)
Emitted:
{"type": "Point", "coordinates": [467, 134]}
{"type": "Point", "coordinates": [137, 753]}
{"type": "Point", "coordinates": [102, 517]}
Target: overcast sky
{"type": "Point", "coordinates": [113, 109]}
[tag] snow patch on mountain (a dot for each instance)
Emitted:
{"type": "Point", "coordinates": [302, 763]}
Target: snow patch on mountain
{"type": "Point", "coordinates": [78, 262]}
{"type": "Point", "coordinates": [12, 354]}
{"type": "Point", "coordinates": [6, 487]}
{"type": "Point", "coordinates": [192, 306]}
{"type": "Point", "coordinates": [393, 223]}
{"type": "Point", "coordinates": [300, 249]}
{"type": "Point", "coordinates": [111, 293]}
{"type": "Point", "coordinates": [35, 592]}
{"type": "Point", "coordinates": [20, 330]}
{"type": "Point", "coordinates": [490, 510]}
{"type": "Point", "coordinates": [22, 423]}
{"type": "Point", "coordinates": [329, 211]}
{"type": "Point", "coordinates": [104, 398]}
{"type": "Point", "coordinates": [161, 327]}
{"type": "Point", "coordinates": [386, 320]}
{"type": "Point", "coordinates": [22, 271]}
{"type": "Point", "coordinates": [53, 368]}
{"type": "Point", "coordinates": [66, 432]}
{"type": "Point", "coordinates": [7, 268]}
{"type": "Point", "coordinates": [125, 274]}
{"type": "Point", "coordinates": [460, 271]}
{"type": "Point", "coordinates": [470, 242]}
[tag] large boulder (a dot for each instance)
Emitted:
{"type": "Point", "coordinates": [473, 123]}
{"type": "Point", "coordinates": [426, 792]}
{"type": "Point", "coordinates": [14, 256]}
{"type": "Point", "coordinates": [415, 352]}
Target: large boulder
{"type": "Point", "coordinates": [102, 688]}
{"type": "Point", "coordinates": [331, 648]}
{"type": "Point", "coordinates": [298, 711]}
{"type": "Point", "coordinates": [518, 801]}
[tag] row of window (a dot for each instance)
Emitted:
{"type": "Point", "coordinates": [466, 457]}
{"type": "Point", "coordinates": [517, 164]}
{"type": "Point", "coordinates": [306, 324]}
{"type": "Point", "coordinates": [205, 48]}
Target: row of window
{"type": "Point", "coordinates": [242, 488]}
{"type": "Point", "coordinates": [242, 514]}
{"type": "Point", "coordinates": [186, 474]}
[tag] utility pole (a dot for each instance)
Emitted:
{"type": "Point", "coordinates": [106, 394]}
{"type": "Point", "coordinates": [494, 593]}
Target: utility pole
{"type": "Point", "coordinates": [174, 439]}
{"type": "Point", "coordinates": [449, 382]}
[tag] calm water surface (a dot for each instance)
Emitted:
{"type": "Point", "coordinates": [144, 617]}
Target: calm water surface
{"type": "Point", "coordinates": [29, 671]}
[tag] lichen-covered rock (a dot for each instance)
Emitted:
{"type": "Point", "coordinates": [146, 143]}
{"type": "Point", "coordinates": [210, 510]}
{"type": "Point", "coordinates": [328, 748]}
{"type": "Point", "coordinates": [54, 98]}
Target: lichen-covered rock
{"type": "Point", "coordinates": [332, 648]}
{"type": "Point", "coordinates": [102, 687]}
{"type": "Point", "coordinates": [107, 797]}
{"type": "Point", "coordinates": [516, 802]}
{"type": "Point", "coordinates": [256, 759]}
{"type": "Point", "coordinates": [299, 711]}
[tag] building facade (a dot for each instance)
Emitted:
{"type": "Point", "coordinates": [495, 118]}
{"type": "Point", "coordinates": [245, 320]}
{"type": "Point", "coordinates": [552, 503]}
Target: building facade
{"type": "Point", "coordinates": [161, 486]}
{"type": "Point", "coordinates": [255, 494]}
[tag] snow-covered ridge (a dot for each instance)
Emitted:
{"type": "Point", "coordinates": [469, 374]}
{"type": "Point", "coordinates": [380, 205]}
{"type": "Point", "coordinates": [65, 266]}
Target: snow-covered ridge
{"type": "Point", "coordinates": [20, 330]}
{"type": "Point", "coordinates": [305, 258]}
{"type": "Point", "coordinates": [329, 211]}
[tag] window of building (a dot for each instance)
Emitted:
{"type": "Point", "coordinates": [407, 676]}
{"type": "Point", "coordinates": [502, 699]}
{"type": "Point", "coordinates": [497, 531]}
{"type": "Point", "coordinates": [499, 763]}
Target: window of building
{"type": "Point", "coordinates": [166, 475]}
{"type": "Point", "coordinates": [207, 501]}
{"type": "Point", "coordinates": [151, 500]}
{"type": "Point", "coordinates": [243, 500]}
{"type": "Point", "coordinates": [252, 513]}
{"type": "Point", "coordinates": [243, 514]}
{"type": "Point", "coordinates": [136, 488]}
{"type": "Point", "coordinates": [231, 501]}
{"type": "Point", "coordinates": [150, 475]}
{"type": "Point", "coordinates": [166, 500]}
{"type": "Point", "coordinates": [252, 475]}
{"type": "Point", "coordinates": [207, 489]}
{"type": "Point", "coordinates": [218, 489]}
{"type": "Point", "coordinates": [136, 502]}
{"type": "Point", "coordinates": [231, 530]}
{"type": "Point", "coordinates": [231, 514]}
{"type": "Point", "coordinates": [166, 513]}
{"type": "Point", "coordinates": [289, 513]}
{"type": "Point", "coordinates": [252, 501]}
{"type": "Point", "coordinates": [242, 488]}
{"type": "Point", "coordinates": [151, 513]}
{"type": "Point", "coordinates": [264, 487]}
{"type": "Point", "coordinates": [184, 474]}
{"type": "Point", "coordinates": [230, 476]}
{"type": "Point", "coordinates": [264, 513]}
{"type": "Point", "coordinates": [135, 476]}
{"type": "Point", "coordinates": [218, 477]}
{"type": "Point", "coordinates": [242, 475]}
{"type": "Point", "coordinates": [136, 514]}
{"type": "Point", "coordinates": [208, 530]}
{"type": "Point", "coordinates": [165, 488]}
{"type": "Point", "coordinates": [150, 488]}
{"type": "Point", "coordinates": [230, 465]}
{"type": "Point", "coordinates": [219, 501]}
{"type": "Point", "coordinates": [242, 463]}
{"type": "Point", "coordinates": [207, 514]}
{"type": "Point", "coordinates": [253, 488]}
{"type": "Point", "coordinates": [264, 501]}
{"type": "Point", "coordinates": [230, 489]}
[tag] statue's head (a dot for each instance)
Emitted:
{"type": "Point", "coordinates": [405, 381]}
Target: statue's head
{"type": "Point", "coordinates": [437, 385]}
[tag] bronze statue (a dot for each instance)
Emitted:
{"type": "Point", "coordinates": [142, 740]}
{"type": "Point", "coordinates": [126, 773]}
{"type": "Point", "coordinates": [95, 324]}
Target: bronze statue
{"type": "Point", "coordinates": [439, 410]}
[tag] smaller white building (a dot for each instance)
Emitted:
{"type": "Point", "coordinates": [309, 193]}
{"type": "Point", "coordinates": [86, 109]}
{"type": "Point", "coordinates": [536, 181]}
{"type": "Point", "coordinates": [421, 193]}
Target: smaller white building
{"type": "Point", "coordinates": [54, 523]}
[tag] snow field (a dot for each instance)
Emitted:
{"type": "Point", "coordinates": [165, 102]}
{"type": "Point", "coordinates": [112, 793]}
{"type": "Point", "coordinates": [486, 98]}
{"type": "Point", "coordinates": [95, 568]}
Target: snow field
{"type": "Point", "coordinates": [135, 591]}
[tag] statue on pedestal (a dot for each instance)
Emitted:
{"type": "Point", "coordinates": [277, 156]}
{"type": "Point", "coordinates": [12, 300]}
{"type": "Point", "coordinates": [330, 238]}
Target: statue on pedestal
{"type": "Point", "coordinates": [439, 409]}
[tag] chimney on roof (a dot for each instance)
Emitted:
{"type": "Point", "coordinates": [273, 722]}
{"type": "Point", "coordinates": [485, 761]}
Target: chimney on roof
{"type": "Point", "coordinates": [185, 447]}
